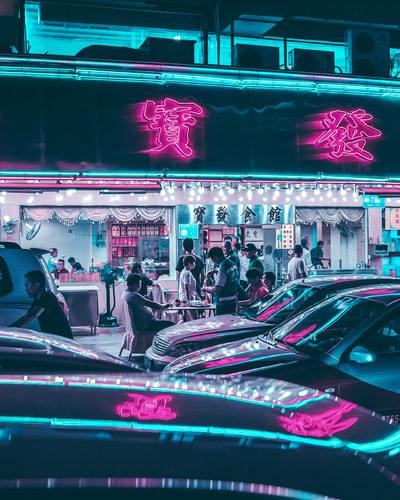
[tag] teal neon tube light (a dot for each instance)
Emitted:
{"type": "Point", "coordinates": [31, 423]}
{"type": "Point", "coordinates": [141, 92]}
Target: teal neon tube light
{"type": "Point", "coordinates": [184, 175]}
{"type": "Point", "coordinates": [79, 70]}
{"type": "Point", "coordinates": [381, 445]}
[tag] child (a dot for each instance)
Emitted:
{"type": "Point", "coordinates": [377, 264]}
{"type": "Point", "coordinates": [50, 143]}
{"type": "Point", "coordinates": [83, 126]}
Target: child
{"type": "Point", "coordinates": [256, 290]}
{"type": "Point", "coordinates": [187, 282]}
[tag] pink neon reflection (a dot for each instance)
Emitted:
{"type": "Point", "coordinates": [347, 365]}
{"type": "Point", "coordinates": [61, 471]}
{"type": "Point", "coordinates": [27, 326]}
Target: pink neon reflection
{"type": "Point", "coordinates": [225, 361]}
{"type": "Point", "coordinates": [273, 309]}
{"type": "Point", "coordinates": [346, 134]}
{"type": "Point", "coordinates": [172, 121]}
{"type": "Point", "coordinates": [323, 424]}
{"type": "Point", "coordinates": [146, 408]}
{"type": "Point", "coordinates": [294, 337]}
{"type": "Point", "coordinates": [380, 291]}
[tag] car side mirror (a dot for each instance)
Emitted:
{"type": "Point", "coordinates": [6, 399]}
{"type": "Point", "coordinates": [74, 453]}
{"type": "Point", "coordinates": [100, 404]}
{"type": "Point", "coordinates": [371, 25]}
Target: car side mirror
{"type": "Point", "coordinates": [361, 354]}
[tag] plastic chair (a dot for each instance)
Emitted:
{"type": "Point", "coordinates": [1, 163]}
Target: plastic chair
{"type": "Point", "coordinates": [135, 341]}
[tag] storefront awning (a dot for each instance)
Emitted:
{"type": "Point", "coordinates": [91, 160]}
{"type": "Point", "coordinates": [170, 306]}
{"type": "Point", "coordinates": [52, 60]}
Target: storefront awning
{"type": "Point", "coordinates": [71, 215]}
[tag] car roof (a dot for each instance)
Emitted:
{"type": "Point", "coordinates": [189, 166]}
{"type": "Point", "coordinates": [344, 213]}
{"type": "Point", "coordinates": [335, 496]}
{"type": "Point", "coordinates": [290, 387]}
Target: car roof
{"type": "Point", "coordinates": [341, 280]}
{"type": "Point", "coordinates": [150, 425]}
{"type": "Point", "coordinates": [385, 294]}
{"type": "Point", "coordinates": [23, 342]}
{"type": "Point", "coordinates": [208, 401]}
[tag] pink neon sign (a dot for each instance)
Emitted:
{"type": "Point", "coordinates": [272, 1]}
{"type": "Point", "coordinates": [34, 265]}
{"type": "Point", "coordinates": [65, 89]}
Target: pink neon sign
{"type": "Point", "coordinates": [146, 408]}
{"type": "Point", "coordinates": [172, 122]}
{"type": "Point", "coordinates": [346, 134]}
{"type": "Point", "coordinates": [323, 424]}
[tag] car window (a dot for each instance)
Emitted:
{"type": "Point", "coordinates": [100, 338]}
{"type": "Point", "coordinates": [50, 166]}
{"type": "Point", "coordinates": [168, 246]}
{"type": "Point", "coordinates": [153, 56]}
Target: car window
{"type": "Point", "coordinates": [284, 304]}
{"type": "Point", "coordinates": [6, 285]}
{"type": "Point", "coordinates": [384, 340]}
{"type": "Point", "coordinates": [322, 327]}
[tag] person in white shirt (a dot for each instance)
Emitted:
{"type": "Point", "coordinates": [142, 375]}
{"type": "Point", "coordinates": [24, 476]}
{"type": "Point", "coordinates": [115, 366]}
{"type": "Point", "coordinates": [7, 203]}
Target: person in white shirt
{"type": "Point", "coordinates": [269, 263]}
{"type": "Point", "coordinates": [187, 282]}
{"type": "Point", "coordinates": [296, 268]}
{"type": "Point", "coordinates": [306, 254]}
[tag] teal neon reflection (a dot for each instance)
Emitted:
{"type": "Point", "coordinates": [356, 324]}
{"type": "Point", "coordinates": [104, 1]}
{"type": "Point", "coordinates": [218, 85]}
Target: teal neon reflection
{"type": "Point", "coordinates": [381, 445]}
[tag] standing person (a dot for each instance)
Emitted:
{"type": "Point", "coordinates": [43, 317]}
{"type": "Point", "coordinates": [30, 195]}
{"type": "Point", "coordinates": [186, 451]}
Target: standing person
{"type": "Point", "coordinates": [141, 309]}
{"type": "Point", "coordinates": [60, 269]}
{"type": "Point", "coordinates": [317, 254]}
{"type": "Point", "coordinates": [306, 254]}
{"type": "Point", "coordinates": [137, 268]}
{"type": "Point", "coordinates": [230, 253]}
{"type": "Point", "coordinates": [250, 251]}
{"type": "Point", "coordinates": [187, 283]}
{"type": "Point", "coordinates": [296, 268]}
{"type": "Point", "coordinates": [269, 263]}
{"type": "Point", "coordinates": [256, 289]}
{"type": "Point", "coordinates": [198, 271]}
{"type": "Point", "coordinates": [71, 261]}
{"type": "Point", "coordinates": [244, 265]}
{"type": "Point", "coordinates": [226, 285]}
{"type": "Point", "coordinates": [45, 307]}
{"type": "Point", "coordinates": [52, 260]}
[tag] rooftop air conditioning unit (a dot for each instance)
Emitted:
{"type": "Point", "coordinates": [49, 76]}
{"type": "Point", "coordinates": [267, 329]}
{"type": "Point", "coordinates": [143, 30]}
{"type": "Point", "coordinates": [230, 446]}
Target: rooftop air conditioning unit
{"type": "Point", "coordinates": [367, 52]}
{"type": "Point", "coordinates": [109, 52]}
{"type": "Point", "coordinates": [256, 57]}
{"type": "Point", "coordinates": [312, 61]}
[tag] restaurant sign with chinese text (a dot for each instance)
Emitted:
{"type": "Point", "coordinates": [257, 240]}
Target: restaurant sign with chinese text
{"type": "Point", "coordinates": [235, 215]}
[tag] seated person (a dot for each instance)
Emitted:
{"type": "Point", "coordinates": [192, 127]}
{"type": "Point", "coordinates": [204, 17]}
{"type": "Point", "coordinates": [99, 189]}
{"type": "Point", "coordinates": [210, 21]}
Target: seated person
{"type": "Point", "coordinates": [60, 269]}
{"type": "Point", "coordinates": [45, 307]}
{"type": "Point", "coordinates": [77, 268]}
{"type": "Point", "coordinates": [268, 281]}
{"type": "Point", "coordinates": [140, 308]}
{"type": "Point", "coordinates": [256, 290]}
{"type": "Point", "coordinates": [146, 282]}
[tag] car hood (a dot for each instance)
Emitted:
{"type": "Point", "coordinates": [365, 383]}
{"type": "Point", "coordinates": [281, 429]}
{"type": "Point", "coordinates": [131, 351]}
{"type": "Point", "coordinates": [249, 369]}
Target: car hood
{"type": "Point", "coordinates": [200, 329]}
{"type": "Point", "coordinates": [235, 358]}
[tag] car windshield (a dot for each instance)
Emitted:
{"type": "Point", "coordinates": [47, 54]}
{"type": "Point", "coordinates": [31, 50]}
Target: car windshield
{"type": "Point", "coordinates": [320, 328]}
{"type": "Point", "coordinates": [290, 300]}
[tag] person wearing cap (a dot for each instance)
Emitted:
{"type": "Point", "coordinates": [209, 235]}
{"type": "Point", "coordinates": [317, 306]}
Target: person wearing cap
{"type": "Point", "coordinates": [250, 251]}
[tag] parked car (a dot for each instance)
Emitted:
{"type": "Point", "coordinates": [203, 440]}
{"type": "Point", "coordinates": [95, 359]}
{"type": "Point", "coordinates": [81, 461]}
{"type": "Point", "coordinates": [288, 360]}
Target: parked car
{"type": "Point", "coordinates": [159, 437]}
{"type": "Point", "coordinates": [27, 351]}
{"type": "Point", "coordinates": [348, 345]}
{"type": "Point", "coordinates": [177, 340]}
{"type": "Point", "coordinates": [15, 262]}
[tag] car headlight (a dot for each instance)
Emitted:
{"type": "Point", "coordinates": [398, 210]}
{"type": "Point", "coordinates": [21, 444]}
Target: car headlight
{"type": "Point", "coordinates": [182, 349]}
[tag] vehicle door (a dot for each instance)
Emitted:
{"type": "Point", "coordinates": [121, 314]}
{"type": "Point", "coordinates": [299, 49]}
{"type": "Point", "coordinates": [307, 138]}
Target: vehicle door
{"type": "Point", "coordinates": [370, 368]}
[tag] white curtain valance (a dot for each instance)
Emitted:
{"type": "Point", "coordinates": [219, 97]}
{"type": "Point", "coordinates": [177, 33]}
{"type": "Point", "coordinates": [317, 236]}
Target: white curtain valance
{"type": "Point", "coordinates": [70, 215]}
{"type": "Point", "coordinates": [328, 215]}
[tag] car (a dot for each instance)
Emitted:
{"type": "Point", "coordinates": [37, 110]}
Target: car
{"type": "Point", "coordinates": [348, 345]}
{"type": "Point", "coordinates": [26, 351]}
{"type": "Point", "coordinates": [150, 436]}
{"type": "Point", "coordinates": [177, 340]}
{"type": "Point", "coordinates": [15, 262]}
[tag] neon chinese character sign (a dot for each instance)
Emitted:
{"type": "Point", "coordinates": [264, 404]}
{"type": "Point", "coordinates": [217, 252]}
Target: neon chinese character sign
{"type": "Point", "coordinates": [172, 124]}
{"type": "Point", "coordinates": [323, 424]}
{"type": "Point", "coordinates": [146, 408]}
{"type": "Point", "coordinates": [346, 134]}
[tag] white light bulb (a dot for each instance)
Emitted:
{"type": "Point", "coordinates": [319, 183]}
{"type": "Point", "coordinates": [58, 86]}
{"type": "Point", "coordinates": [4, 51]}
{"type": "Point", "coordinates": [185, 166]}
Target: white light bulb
{"type": "Point", "coordinates": [231, 190]}
{"type": "Point", "coordinates": [201, 189]}
{"type": "Point", "coordinates": [6, 218]}
{"type": "Point", "coordinates": [59, 197]}
{"type": "Point", "coordinates": [260, 191]}
{"type": "Point", "coordinates": [70, 192]}
{"type": "Point", "coordinates": [329, 194]}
